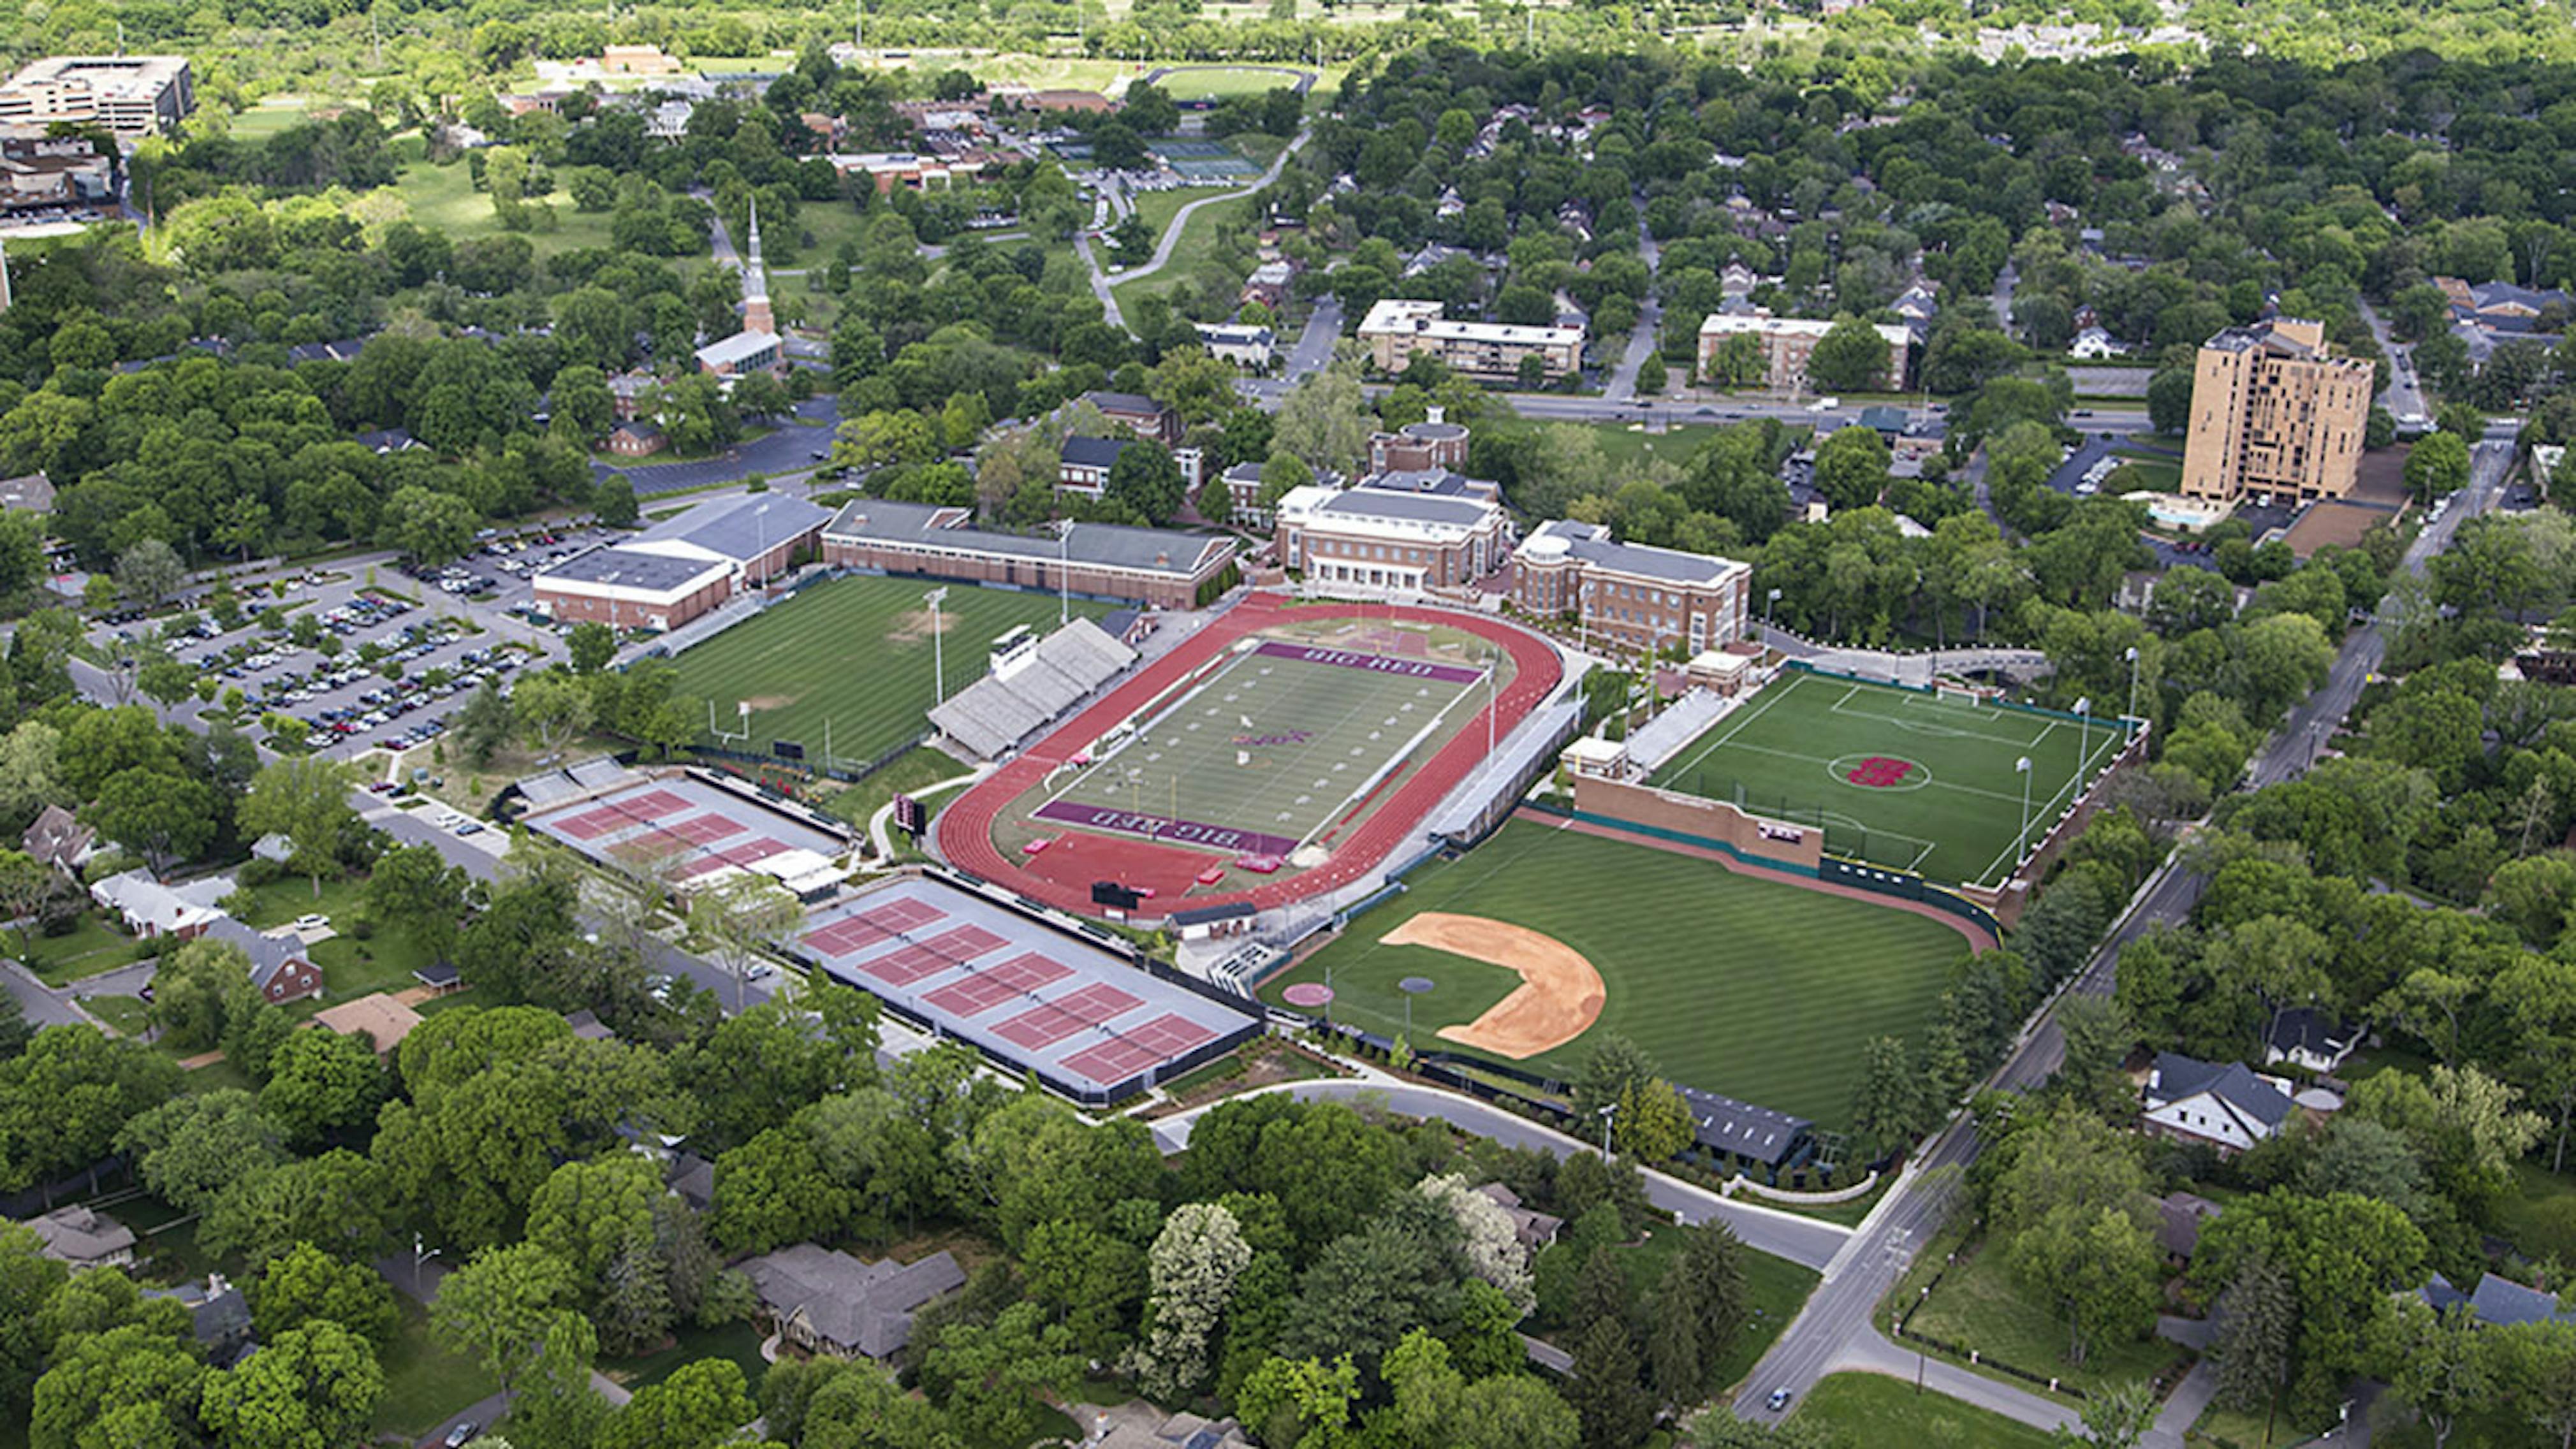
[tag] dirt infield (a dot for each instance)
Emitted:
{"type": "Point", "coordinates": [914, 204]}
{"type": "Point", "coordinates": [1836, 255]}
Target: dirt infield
{"type": "Point", "coordinates": [1559, 997]}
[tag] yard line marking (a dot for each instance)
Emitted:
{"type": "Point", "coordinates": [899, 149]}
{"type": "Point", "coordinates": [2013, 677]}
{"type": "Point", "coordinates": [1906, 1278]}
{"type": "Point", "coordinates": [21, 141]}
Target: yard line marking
{"type": "Point", "coordinates": [1747, 717]}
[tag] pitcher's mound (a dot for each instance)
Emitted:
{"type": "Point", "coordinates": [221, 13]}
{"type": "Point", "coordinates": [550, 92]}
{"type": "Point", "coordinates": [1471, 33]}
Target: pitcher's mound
{"type": "Point", "coordinates": [1559, 997]}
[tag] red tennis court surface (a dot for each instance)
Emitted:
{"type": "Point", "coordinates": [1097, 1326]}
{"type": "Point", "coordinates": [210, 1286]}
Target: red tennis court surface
{"type": "Point", "coordinates": [1062, 874]}
{"type": "Point", "coordinates": [994, 985]}
{"type": "Point", "coordinates": [699, 829]}
{"type": "Point", "coordinates": [1044, 1025]}
{"type": "Point", "coordinates": [857, 933]}
{"type": "Point", "coordinates": [929, 958]}
{"type": "Point", "coordinates": [749, 853]}
{"type": "Point", "coordinates": [1139, 1047]}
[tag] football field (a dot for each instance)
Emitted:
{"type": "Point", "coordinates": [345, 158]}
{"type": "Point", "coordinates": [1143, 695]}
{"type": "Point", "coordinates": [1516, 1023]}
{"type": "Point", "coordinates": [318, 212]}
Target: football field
{"type": "Point", "coordinates": [855, 655]}
{"type": "Point", "coordinates": [1922, 782]}
{"type": "Point", "coordinates": [1755, 988]}
{"type": "Point", "coordinates": [1284, 745]}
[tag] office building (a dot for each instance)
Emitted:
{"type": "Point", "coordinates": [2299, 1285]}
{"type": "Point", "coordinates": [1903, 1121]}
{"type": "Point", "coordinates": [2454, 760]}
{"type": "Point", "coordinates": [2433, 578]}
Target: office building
{"type": "Point", "coordinates": [2274, 416]}
{"type": "Point", "coordinates": [131, 95]}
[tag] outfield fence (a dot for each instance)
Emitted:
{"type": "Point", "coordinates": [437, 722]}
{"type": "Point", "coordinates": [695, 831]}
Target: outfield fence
{"type": "Point", "coordinates": [826, 769]}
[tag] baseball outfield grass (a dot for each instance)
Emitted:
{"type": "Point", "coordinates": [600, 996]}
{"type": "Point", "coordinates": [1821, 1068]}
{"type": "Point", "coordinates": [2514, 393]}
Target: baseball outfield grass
{"type": "Point", "coordinates": [1755, 988]}
{"type": "Point", "coordinates": [855, 654]}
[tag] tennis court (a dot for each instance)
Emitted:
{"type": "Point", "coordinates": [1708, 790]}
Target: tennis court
{"type": "Point", "coordinates": [1035, 997]}
{"type": "Point", "coordinates": [1930, 783]}
{"type": "Point", "coordinates": [1282, 747]}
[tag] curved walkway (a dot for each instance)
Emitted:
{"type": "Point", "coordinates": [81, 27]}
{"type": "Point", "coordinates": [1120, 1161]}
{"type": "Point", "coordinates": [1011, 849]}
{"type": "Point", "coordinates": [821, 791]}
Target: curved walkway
{"type": "Point", "coordinates": [1172, 234]}
{"type": "Point", "coordinates": [885, 812]}
{"type": "Point", "coordinates": [1808, 1242]}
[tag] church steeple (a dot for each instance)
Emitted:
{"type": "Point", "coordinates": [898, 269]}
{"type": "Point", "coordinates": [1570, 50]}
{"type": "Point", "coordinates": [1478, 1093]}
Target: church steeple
{"type": "Point", "coordinates": [756, 314]}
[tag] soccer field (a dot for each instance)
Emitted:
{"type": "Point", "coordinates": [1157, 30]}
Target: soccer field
{"type": "Point", "coordinates": [1289, 742]}
{"type": "Point", "coordinates": [855, 653]}
{"type": "Point", "coordinates": [1922, 782]}
{"type": "Point", "coordinates": [1734, 984]}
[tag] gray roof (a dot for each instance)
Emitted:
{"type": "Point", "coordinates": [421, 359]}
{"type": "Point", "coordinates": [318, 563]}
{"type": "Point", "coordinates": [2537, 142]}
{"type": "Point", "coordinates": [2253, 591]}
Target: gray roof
{"type": "Point", "coordinates": [268, 954]}
{"type": "Point", "coordinates": [58, 838]}
{"type": "Point", "coordinates": [2234, 1084]}
{"type": "Point", "coordinates": [1593, 545]}
{"type": "Point", "coordinates": [2180, 1215]}
{"type": "Point", "coordinates": [2260, 336]}
{"type": "Point", "coordinates": [694, 1179]}
{"type": "Point", "coordinates": [626, 568]}
{"type": "Point", "coordinates": [856, 1306]}
{"type": "Point", "coordinates": [1412, 507]}
{"type": "Point", "coordinates": [2497, 1302]}
{"type": "Point", "coordinates": [79, 1234]}
{"type": "Point", "coordinates": [741, 529]}
{"type": "Point", "coordinates": [219, 1312]}
{"type": "Point", "coordinates": [1123, 402]}
{"type": "Point", "coordinates": [1423, 482]}
{"type": "Point", "coordinates": [2304, 1028]}
{"type": "Point", "coordinates": [1757, 1133]}
{"type": "Point", "coordinates": [1107, 545]}
{"type": "Point", "coordinates": [1084, 452]}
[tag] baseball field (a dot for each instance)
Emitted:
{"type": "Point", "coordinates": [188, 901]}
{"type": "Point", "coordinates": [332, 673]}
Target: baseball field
{"type": "Point", "coordinates": [855, 654]}
{"type": "Point", "coordinates": [1543, 939]}
{"type": "Point", "coordinates": [1927, 783]}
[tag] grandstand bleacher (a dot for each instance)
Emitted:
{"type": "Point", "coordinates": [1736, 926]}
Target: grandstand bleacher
{"type": "Point", "coordinates": [1000, 710]}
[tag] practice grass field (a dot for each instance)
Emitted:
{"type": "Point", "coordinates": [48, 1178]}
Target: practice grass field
{"type": "Point", "coordinates": [1750, 987]}
{"type": "Point", "coordinates": [855, 652]}
{"type": "Point", "coordinates": [1872, 1409]}
{"type": "Point", "coordinates": [1282, 746]}
{"type": "Point", "coordinates": [1949, 808]}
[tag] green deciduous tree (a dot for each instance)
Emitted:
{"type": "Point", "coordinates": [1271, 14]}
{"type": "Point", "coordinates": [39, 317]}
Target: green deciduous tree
{"type": "Point", "coordinates": [498, 1305]}
{"type": "Point", "coordinates": [313, 1387]}
{"type": "Point", "coordinates": [306, 799]}
{"type": "Point", "coordinates": [309, 1284]}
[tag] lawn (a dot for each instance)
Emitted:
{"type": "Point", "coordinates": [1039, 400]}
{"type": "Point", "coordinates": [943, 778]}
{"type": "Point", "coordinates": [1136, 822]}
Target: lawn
{"type": "Point", "coordinates": [909, 773]}
{"type": "Point", "coordinates": [1979, 1305]}
{"type": "Point", "coordinates": [1195, 84]}
{"type": "Point", "coordinates": [2539, 1218]}
{"type": "Point", "coordinates": [269, 117]}
{"type": "Point", "coordinates": [1197, 243]}
{"type": "Point", "coordinates": [854, 656]}
{"type": "Point", "coordinates": [424, 1383]}
{"type": "Point", "coordinates": [92, 946]}
{"type": "Point", "coordinates": [1921, 782]}
{"type": "Point", "coordinates": [351, 968]}
{"type": "Point", "coordinates": [737, 1341]}
{"type": "Point", "coordinates": [1630, 447]}
{"type": "Point", "coordinates": [1774, 1289]}
{"type": "Point", "coordinates": [1734, 984]}
{"type": "Point", "coordinates": [444, 197]}
{"type": "Point", "coordinates": [1866, 1408]}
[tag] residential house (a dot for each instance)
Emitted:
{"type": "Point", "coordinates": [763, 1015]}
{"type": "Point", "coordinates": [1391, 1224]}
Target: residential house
{"type": "Point", "coordinates": [2093, 344]}
{"type": "Point", "coordinates": [384, 442]}
{"type": "Point", "coordinates": [1243, 492]}
{"type": "Point", "coordinates": [60, 840]}
{"type": "Point", "coordinates": [279, 964]}
{"type": "Point", "coordinates": [84, 1238]}
{"type": "Point", "coordinates": [27, 493]}
{"type": "Point", "coordinates": [586, 1025]}
{"type": "Point", "coordinates": [2226, 1106]}
{"type": "Point", "coordinates": [1143, 416]}
{"type": "Point", "coordinates": [1268, 284]}
{"type": "Point", "coordinates": [828, 1302]}
{"type": "Point", "coordinates": [1181, 1431]}
{"type": "Point", "coordinates": [1533, 1228]}
{"type": "Point", "coordinates": [1243, 346]}
{"type": "Point", "coordinates": [219, 1316]}
{"type": "Point", "coordinates": [693, 1179]}
{"type": "Point", "coordinates": [2495, 1302]}
{"type": "Point", "coordinates": [2179, 1218]}
{"type": "Point", "coordinates": [381, 1018]}
{"type": "Point", "coordinates": [2306, 1037]}
{"type": "Point", "coordinates": [1083, 464]}
{"type": "Point", "coordinates": [636, 440]}
{"type": "Point", "coordinates": [151, 909]}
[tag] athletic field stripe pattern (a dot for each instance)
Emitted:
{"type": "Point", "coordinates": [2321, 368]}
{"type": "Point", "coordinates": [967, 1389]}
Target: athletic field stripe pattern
{"type": "Point", "coordinates": [856, 652]}
{"type": "Point", "coordinates": [1759, 989]}
{"type": "Point", "coordinates": [1893, 776]}
{"type": "Point", "coordinates": [965, 828]}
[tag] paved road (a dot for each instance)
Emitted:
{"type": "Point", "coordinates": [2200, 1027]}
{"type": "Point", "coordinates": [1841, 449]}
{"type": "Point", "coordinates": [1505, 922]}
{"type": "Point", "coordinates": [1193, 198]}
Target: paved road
{"type": "Point", "coordinates": [1809, 1242]}
{"type": "Point", "coordinates": [1836, 1325]}
{"type": "Point", "coordinates": [2404, 393]}
{"type": "Point", "coordinates": [788, 448]}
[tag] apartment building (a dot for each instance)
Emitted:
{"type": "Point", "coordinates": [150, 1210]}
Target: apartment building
{"type": "Point", "coordinates": [1787, 343]}
{"type": "Point", "coordinates": [132, 95]}
{"type": "Point", "coordinates": [2274, 416]}
{"type": "Point", "coordinates": [1638, 596]}
{"type": "Point", "coordinates": [1398, 329]}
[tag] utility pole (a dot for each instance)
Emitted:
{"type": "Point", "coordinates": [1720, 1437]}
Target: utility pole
{"type": "Point", "coordinates": [859, 25]}
{"type": "Point", "coordinates": [938, 660]}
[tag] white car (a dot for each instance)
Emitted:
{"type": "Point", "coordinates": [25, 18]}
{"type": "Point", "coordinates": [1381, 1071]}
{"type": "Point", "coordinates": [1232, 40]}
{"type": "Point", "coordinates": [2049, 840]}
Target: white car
{"type": "Point", "coordinates": [311, 921]}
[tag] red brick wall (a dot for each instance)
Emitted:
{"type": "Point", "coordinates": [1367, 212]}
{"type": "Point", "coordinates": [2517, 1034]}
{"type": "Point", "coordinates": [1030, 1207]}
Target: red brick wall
{"type": "Point", "coordinates": [1176, 593]}
{"type": "Point", "coordinates": [1690, 815]}
{"type": "Point", "coordinates": [622, 614]}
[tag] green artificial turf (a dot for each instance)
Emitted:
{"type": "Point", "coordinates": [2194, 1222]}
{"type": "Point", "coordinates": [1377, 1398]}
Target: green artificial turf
{"type": "Point", "coordinates": [1956, 814]}
{"type": "Point", "coordinates": [855, 653]}
{"type": "Point", "coordinates": [1755, 988]}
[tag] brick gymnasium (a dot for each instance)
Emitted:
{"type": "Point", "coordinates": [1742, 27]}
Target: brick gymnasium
{"type": "Point", "coordinates": [1094, 844]}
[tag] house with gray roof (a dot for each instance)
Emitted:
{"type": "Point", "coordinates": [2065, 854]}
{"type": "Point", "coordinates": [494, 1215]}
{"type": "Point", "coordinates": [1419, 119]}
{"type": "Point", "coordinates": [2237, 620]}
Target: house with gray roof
{"type": "Point", "coordinates": [1083, 464]}
{"type": "Point", "coordinates": [2495, 1302]}
{"type": "Point", "coordinates": [1754, 1136]}
{"type": "Point", "coordinates": [2226, 1106]}
{"type": "Point", "coordinates": [828, 1302]}
{"type": "Point", "coordinates": [84, 1238]}
{"type": "Point", "coordinates": [60, 840]}
{"type": "Point", "coordinates": [279, 965]}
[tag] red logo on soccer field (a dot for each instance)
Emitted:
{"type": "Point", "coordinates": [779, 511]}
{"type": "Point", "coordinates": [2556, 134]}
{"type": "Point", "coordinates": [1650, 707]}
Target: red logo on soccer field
{"type": "Point", "coordinates": [1878, 772]}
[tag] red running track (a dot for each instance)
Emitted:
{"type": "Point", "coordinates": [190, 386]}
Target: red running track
{"type": "Point", "coordinates": [965, 828]}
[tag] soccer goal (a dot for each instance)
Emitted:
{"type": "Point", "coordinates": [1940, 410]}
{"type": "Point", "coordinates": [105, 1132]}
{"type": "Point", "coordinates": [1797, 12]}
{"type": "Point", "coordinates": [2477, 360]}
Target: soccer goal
{"type": "Point", "coordinates": [1959, 693]}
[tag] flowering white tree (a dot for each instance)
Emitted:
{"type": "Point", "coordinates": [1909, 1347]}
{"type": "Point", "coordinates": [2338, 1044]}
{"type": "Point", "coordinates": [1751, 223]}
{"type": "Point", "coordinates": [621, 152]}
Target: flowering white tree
{"type": "Point", "coordinates": [1193, 1265]}
{"type": "Point", "coordinates": [1492, 1244]}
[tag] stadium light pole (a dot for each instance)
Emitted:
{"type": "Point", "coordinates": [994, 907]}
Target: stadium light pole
{"type": "Point", "coordinates": [1767, 601]}
{"type": "Point", "coordinates": [2022, 767]}
{"type": "Point", "coordinates": [2083, 735]}
{"type": "Point", "coordinates": [1064, 574]}
{"type": "Point", "coordinates": [2133, 681]}
{"type": "Point", "coordinates": [1607, 1112]}
{"type": "Point", "coordinates": [938, 657]}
